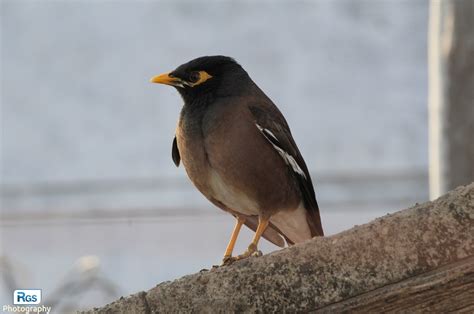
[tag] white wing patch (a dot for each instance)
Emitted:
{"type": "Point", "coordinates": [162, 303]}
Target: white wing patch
{"type": "Point", "coordinates": [289, 160]}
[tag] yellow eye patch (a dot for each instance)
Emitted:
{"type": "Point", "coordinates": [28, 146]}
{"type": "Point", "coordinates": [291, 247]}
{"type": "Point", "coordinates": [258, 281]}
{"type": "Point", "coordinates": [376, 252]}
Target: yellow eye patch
{"type": "Point", "coordinates": [203, 76]}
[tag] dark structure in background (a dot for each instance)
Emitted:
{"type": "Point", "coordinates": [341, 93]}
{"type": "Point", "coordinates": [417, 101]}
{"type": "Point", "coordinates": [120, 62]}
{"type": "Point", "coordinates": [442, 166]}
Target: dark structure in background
{"type": "Point", "coordinates": [451, 103]}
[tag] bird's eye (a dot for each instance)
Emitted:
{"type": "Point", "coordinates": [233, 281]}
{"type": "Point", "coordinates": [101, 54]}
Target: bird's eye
{"type": "Point", "coordinates": [194, 77]}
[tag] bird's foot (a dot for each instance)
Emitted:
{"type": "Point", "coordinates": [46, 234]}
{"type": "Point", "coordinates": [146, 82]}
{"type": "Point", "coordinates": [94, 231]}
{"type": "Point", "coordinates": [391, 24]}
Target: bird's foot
{"type": "Point", "coordinates": [227, 260]}
{"type": "Point", "coordinates": [251, 251]}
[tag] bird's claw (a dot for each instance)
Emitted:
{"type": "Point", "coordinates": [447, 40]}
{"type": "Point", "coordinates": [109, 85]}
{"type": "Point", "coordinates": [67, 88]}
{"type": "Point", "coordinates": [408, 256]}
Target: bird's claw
{"type": "Point", "coordinates": [257, 253]}
{"type": "Point", "coordinates": [251, 251]}
{"type": "Point", "coordinates": [227, 260]}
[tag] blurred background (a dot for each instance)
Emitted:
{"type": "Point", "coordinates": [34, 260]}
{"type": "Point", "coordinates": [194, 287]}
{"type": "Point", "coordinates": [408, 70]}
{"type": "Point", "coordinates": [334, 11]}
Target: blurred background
{"type": "Point", "coordinates": [92, 206]}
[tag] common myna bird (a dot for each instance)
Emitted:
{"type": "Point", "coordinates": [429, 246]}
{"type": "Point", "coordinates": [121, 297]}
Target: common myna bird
{"type": "Point", "coordinates": [238, 151]}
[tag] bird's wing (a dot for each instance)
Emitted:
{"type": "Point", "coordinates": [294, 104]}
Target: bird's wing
{"type": "Point", "coordinates": [273, 126]}
{"type": "Point", "coordinates": [175, 153]}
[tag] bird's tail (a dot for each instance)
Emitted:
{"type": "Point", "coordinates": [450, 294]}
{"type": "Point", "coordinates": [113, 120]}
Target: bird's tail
{"type": "Point", "coordinates": [314, 222]}
{"type": "Point", "coordinates": [312, 208]}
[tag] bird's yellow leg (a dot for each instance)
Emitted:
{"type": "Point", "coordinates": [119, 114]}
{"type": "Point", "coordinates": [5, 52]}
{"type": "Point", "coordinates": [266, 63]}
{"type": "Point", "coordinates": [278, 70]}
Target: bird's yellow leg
{"type": "Point", "coordinates": [252, 249]}
{"type": "Point", "coordinates": [230, 247]}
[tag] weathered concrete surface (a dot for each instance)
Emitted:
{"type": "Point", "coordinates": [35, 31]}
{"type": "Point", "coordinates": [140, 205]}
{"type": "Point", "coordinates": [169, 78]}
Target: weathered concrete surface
{"type": "Point", "coordinates": [327, 270]}
{"type": "Point", "coordinates": [446, 289]}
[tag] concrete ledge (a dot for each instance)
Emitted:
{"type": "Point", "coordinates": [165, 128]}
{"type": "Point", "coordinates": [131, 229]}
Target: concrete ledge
{"type": "Point", "coordinates": [326, 271]}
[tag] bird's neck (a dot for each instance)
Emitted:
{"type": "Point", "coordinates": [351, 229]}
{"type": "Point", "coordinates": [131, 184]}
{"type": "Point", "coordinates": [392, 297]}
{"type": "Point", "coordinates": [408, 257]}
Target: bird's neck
{"type": "Point", "coordinates": [193, 112]}
{"type": "Point", "coordinates": [198, 102]}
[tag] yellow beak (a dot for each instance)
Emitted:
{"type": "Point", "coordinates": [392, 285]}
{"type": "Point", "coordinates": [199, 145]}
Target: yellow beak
{"type": "Point", "coordinates": [165, 78]}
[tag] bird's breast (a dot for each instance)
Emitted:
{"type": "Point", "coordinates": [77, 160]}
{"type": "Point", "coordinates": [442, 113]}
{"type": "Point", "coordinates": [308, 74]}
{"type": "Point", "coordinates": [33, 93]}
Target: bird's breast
{"type": "Point", "coordinates": [194, 134]}
{"type": "Point", "coordinates": [192, 151]}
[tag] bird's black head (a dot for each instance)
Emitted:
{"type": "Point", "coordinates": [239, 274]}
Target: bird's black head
{"type": "Point", "coordinates": [205, 76]}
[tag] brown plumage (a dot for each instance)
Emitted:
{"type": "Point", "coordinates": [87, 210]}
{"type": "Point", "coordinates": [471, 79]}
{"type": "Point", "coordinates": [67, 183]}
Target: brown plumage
{"type": "Point", "coordinates": [238, 151]}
